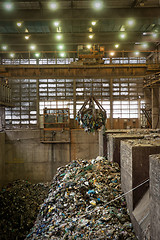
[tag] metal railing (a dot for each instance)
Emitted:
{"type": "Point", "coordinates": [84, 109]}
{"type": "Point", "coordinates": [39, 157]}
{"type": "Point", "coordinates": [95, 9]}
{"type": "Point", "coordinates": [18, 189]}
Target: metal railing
{"type": "Point", "coordinates": [43, 61]}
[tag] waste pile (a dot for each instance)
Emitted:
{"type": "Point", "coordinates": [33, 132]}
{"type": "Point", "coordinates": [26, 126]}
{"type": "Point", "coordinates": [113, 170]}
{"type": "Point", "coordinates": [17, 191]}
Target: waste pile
{"type": "Point", "coordinates": [19, 205]}
{"type": "Point", "coordinates": [79, 204]}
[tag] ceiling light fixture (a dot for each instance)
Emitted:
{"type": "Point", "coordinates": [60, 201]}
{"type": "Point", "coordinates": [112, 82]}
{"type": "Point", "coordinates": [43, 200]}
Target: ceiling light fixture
{"type": "Point", "coordinates": [144, 33]}
{"type": "Point", "coordinates": [91, 36]}
{"type": "Point", "coordinates": [62, 54]}
{"type": "Point", "coordinates": [88, 46]}
{"type": "Point", "coordinates": [8, 6]}
{"type": "Point", "coordinates": [97, 5]}
{"type": "Point", "coordinates": [37, 55]}
{"type": "Point", "coordinates": [4, 47]}
{"type": "Point", "coordinates": [32, 47]}
{"type": "Point", "coordinates": [116, 45]}
{"type": "Point", "coordinates": [122, 35]}
{"type": "Point", "coordinates": [136, 53]}
{"type": "Point", "coordinates": [61, 47]}
{"type": "Point", "coordinates": [27, 37]}
{"type": "Point", "coordinates": [12, 55]}
{"type": "Point", "coordinates": [144, 45]}
{"type": "Point", "coordinates": [112, 54]}
{"type": "Point", "coordinates": [59, 37]}
{"type": "Point", "coordinates": [56, 23]}
{"type": "Point", "coordinates": [19, 24]}
{"type": "Point", "coordinates": [130, 22]}
{"type": "Point", "coordinates": [53, 5]}
{"type": "Point", "coordinates": [93, 23]}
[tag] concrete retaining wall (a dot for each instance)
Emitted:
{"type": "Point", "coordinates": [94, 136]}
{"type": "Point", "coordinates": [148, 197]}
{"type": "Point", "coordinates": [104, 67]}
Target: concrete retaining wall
{"type": "Point", "coordinates": [135, 167]}
{"type": "Point", "coordinates": [28, 158]}
{"type": "Point", "coordinates": [114, 144]}
{"type": "Point", "coordinates": [84, 145]}
{"type": "Point", "coordinates": [155, 197]}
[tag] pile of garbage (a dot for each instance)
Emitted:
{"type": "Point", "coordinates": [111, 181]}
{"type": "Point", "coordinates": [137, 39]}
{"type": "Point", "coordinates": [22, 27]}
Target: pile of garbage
{"type": "Point", "coordinates": [81, 204]}
{"type": "Point", "coordinates": [19, 206]}
{"type": "Point", "coordinates": [91, 116]}
{"type": "Point", "coordinates": [90, 122]}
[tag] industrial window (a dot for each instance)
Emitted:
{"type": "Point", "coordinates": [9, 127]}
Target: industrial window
{"type": "Point", "coordinates": [53, 93]}
{"type": "Point", "coordinates": [56, 104]}
{"type": "Point", "coordinates": [24, 94]}
{"type": "Point", "coordinates": [125, 109]}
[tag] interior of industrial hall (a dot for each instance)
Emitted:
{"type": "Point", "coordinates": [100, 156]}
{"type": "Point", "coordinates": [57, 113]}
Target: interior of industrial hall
{"type": "Point", "coordinates": [80, 119]}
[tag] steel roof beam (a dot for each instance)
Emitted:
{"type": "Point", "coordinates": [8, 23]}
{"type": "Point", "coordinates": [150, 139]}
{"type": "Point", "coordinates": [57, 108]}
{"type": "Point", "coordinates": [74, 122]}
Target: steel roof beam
{"type": "Point", "coordinates": [35, 15]}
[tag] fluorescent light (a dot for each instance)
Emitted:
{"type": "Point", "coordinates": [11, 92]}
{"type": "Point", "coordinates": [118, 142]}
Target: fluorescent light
{"type": "Point", "coordinates": [136, 53]}
{"type": "Point", "coordinates": [53, 5]}
{"type": "Point", "coordinates": [12, 55]}
{"type": "Point", "coordinates": [122, 35]}
{"type": "Point", "coordinates": [97, 5]}
{"type": "Point", "coordinates": [90, 36]}
{"type": "Point", "coordinates": [112, 53]}
{"type": "Point", "coordinates": [8, 6]}
{"type": "Point", "coordinates": [59, 37]}
{"type": "Point", "coordinates": [116, 45]}
{"type": "Point", "coordinates": [144, 45]}
{"type": "Point", "coordinates": [32, 47]}
{"type": "Point", "coordinates": [19, 24]}
{"type": "Point", "coordinates": [4, 47]}
{"type": "Point", "coordinates": [93, 23]}
{"type": "Point", "coordinates": [37, 55]}
{"type": "Point", "coordinates": [56, 23]}
{"type": "Point", "coordinates": [26, 37]}
{"type": "Point", "coordinates": [61, 47]}
{"type": "Point", "coordinates": [131, 22]}
{"type": "Point", "coordinates": [62, 54]}
{"type": "Point", "coordinates": [88, 46]}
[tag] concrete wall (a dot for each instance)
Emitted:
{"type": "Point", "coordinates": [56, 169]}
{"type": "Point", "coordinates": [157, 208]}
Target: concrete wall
{"type": "Point", "coordinates": [84, 145]}
{"type": "Point", "coordinates": [28, 158]}
{"type": "Point", "coordinates": [155, 197]}
{"type": "Point", "coordinates": [135, 168]}
{"type": "Point", "coordinates": [2, 157]}
{"type": "Point", "coordinates": [114, 140]}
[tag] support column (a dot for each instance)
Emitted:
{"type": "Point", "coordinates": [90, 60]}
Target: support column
{"type": "Point", "coordinates": [111, 103]}
{"type": "Point", "coordinates": [38, 103]}
{"type": "Point", "coordinates": [147, 97]}
{"type": "Point", "coordinates": [74, 100]}
{"type": "Point", "coordinates": [155, 107]}
{"type": "Point", "coordinates": [2, 117]}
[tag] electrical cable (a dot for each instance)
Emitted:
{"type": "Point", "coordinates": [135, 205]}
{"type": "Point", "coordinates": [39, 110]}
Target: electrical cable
{"type": "Point", "coordinates": [127, 192]}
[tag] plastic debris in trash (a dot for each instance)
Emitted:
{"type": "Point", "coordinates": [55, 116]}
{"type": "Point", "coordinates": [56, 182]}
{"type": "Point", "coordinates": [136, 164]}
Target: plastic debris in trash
{"type": "Point", "coordinates": [76, 210]}
{"type": "Point", "coordinates": [92, 117]}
